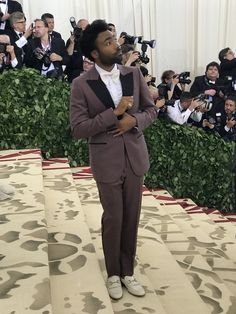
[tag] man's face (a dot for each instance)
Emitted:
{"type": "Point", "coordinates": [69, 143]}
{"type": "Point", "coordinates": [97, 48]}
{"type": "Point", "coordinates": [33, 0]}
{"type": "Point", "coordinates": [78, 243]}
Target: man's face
{"type": "Point", "coordinates": [19, 25]}
{"type": "Point", "coordinates": [108, 51]}
{"type": "Point", "coordinates": [82, 24]}
{"type": "Point", "coordinates": [186, 103]}
{"type": "Point", "coordinates": [229, 55]}
{"type": "Point", "coordinates": [212, 73]}
{"type": "Point", "coordinates": [40, 29]}
{"type": "Point", "coordinates": [50, 22]}
{"type": "Point", "coordinates": [230, 106]}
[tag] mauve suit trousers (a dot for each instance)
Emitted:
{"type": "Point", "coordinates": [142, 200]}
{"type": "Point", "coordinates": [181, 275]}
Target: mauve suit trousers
{"type": "Point", "coordinates": [121, 202]}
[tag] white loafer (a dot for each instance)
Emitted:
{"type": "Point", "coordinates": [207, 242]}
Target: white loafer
{"type": "Point", "coordinates": [114, 287]}
{"type": "Point", "coordinates": [133, 286]}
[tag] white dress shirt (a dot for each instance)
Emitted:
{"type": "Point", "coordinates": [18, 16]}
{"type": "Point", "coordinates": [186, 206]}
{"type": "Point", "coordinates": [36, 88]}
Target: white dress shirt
{"type": "Point", "coordinates": [22, 41]}
{"type": "Point", "coordinates": [3, 7]}
{"type": "Point", "coordinates": [113, 84]}
{"type": "Point", "coordinates": [46, 69]}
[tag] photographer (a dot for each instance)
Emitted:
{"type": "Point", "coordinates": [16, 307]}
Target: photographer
{"type": "Point", "coordinates": [228, 69]}
{"type": "Point", "coordinates": [129, 56]}
{"type": "Point", "coordinates": [224, 122]}
{"type": "Point", "coordinates": [210, 85]}
{"type": "Point", "coordinates": [230, 123]}
{"type": "Point", "coordinates": [185, 110]}
{"type": "Point", "coordinates": [150, 80]}
{"type": "Point", "coordinates": [7, 7]}
{"type": "Point", "coordinates": [49, 18]}
{"type": "Point", "coordinates": [18, 34]}
{"type": "Point", "coordinates": [44, 53]}
{"type": "Point", "coordinates": [8, 58]}
{"type": "Point", "coordinates": [169, 88]}
{"type": "Point", "coordinates": [75, 65]}
{"type": "Point", "coordinates": [112, 28]}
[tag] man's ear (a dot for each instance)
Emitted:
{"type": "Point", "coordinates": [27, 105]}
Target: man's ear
{"type": "Point", "coordinates": [94, 54]}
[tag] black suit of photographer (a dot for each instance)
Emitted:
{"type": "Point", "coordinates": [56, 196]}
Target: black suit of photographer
{"type": "Point", "coordinates": [57, 46]}
{"type": "Point", "coordinates": [227, 134]}
{"type": "Point", "coordinates": [20, 52]}
{"type": "Point", "coordinates": [201, 84]}
{"type": "Point", "coordinates": [12, 6]}
{"type": "Point", "coordinates": [163, 89]}
{"type": "Point", "coordinates": [228, 68]}
{"type": "Point", "coordinates": [55, 34]}
{"type": "Point", "coordinates": [75, 65]}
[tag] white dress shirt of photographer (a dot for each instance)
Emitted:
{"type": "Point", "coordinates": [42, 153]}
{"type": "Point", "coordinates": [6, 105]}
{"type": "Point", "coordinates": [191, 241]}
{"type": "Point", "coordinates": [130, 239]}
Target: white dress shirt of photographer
{"type": "Point", "coordinates": [183, 109]}
{"type": "Point", "coordinates": [7, 58]}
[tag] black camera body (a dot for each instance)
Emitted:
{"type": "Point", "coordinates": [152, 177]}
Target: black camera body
{"type": "Point", "coordinates": [129, 40]}
{"type": "Point", "coordinates": [205, 101]}
{"type": "Point", "coordinates": [231, 116]}
{"type": "Point", "coordinates": [3, 47]}
{"type": "Point", "coordinates": [184, 78]}
{"type": "Point", "coordinates": [43, 55]}
{"type": "Point", "coordinates": [144, 58]}
{"type": "Point", "coordinates": [77, 31]}
{"type": "Point", "coordinates": [153, 80]}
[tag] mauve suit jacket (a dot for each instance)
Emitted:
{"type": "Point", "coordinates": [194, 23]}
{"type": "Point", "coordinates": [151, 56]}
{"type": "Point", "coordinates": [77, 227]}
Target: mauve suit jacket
{"type": "Point", "coordinates": [91, 116]}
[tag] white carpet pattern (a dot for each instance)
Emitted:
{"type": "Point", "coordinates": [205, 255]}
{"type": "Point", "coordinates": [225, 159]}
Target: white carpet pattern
{"type": "Point", "coordinates": [51, 259]}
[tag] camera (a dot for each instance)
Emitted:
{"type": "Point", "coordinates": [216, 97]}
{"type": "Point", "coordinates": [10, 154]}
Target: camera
{"type": "Point", "coordinates": [153, 80]}
{"type": "Point", "coordinates": [231, 116]}
{"type": "Point", "coordinates": [3, 47]}
{"type": "Point", "coordinates": [77, 31]}
{"type": "Point", "coordinates": [168, 102]}
{"type": "Point", "coordinates": [142, 58]}
{"type": "Point", "coordinates": [144, 44]}
{"type": "Point", "coordinates": [184, 78]}
{"type": "Point", "coordinates": [216, 121]}
{"type": "Point", "coordinates": [205, 101]}
{"type": "Point", "coordinates": [129, 40]}
{"type": "Point", "coordinates": [40, 54]}
{"type": "Point", "coordinates": [55, 74]}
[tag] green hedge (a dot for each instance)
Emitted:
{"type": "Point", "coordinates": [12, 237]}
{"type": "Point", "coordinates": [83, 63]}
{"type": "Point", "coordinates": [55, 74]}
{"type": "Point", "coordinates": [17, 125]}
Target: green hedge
{"type": "Point", "coordinates": [34, 112]}
{"type": "Point", "coordinates": [188, 162]}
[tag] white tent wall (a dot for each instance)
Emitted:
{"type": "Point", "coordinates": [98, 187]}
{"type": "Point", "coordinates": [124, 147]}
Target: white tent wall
{"type": "Point", "coordinates": [189, 33]}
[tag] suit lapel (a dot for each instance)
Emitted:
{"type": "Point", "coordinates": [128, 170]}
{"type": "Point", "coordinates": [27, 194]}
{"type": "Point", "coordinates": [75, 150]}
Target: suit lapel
{"type": "Point", "coordinates": [101, 91]}
{"type": "Point", "coordinates": [127, 83]}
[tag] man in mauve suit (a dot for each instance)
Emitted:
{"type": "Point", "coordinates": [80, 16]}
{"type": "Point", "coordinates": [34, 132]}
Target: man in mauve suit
{"type": "Point", "coordinates": [111, 105]}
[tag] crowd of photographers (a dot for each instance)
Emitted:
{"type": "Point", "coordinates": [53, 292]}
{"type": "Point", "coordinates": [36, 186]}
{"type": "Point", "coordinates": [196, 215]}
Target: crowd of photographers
{"type": "Point", "coordinates": [210, 102]}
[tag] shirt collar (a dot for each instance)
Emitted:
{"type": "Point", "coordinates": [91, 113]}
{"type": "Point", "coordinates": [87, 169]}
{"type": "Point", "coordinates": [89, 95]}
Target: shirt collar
{"type": "Point", "coordinates": [100, 70]}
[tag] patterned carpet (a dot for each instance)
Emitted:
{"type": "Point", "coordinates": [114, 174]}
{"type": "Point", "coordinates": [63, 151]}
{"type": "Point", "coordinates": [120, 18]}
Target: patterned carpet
{"type": "Point", "coordinates": [51, 258]}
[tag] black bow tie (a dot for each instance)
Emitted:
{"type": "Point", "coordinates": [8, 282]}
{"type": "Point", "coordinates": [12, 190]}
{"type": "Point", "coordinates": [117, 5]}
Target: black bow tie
{"type": "Point", "coordinates": [4, 2]}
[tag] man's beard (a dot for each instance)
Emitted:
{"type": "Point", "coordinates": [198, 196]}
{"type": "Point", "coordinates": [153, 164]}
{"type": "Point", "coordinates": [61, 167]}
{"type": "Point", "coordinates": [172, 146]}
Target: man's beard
{"type": "Point", "coordinates": [108, 61]}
